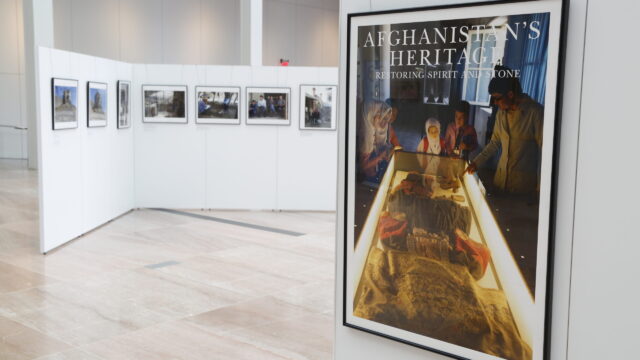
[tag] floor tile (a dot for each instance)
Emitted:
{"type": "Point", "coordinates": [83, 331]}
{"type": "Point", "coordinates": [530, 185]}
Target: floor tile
{"type": "Point", "coordinates": [13, 278]}
{"type": "Point", "coordinates": [252, 313]}
{"type": "Point", "coordinates": [20, 342]}
{"type": "Point", "coordinates": [157, 285]}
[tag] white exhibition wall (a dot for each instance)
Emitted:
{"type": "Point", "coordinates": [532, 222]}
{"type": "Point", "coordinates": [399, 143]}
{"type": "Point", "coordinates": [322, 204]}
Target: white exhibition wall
{"type": "Point", "coordinates": [89, 176]}
{"type": "Point", "coordinates": [355, 344]}
{"type": "Point", "coordinates": [233, 166]}
{"type": "Point", "coordinates": [85, 175]}
{"type": "Point", "coordinates": [605, 294]}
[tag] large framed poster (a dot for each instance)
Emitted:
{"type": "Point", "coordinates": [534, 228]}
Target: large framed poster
{"type": "Point", "coordinates": [451, 119]}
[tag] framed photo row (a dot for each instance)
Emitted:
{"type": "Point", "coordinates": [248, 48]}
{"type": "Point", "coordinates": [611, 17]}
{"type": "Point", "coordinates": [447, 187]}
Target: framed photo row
{"type": "Point", "coordinates": [64, 103]}
{"type": "Point", "coordinates": [213, 105]}
{"type": "Point", "coordinates": [435, 218]}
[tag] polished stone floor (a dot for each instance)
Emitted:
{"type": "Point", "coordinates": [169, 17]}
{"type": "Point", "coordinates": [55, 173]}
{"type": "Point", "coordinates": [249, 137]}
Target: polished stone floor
{"type": "Point", "coordinates": [160, 285]}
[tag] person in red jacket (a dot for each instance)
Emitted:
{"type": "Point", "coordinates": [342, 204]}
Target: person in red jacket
{"type": "Point", "coordinates": [460, 138]}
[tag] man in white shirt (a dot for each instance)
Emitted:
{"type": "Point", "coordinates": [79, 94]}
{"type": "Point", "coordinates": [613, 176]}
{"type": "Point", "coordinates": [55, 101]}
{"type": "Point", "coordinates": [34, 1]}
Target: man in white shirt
{"type": "Point", "coordinates": [262, 106]}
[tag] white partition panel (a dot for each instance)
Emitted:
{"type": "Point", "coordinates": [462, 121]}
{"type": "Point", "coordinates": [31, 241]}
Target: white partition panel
{"type": "Point", "coordinates": [217, 166]}
{"type": "Point", "coordinates": [241, 160]}
{"type": "Point", "coordinates": [604, 312]}
{"type": "Point", "coordinates": [241, 167]}
{"type": "Point", "coordinates": [169, 158]}
{"type": "Point", "coordinates": [85, 174]}
{"type": "Point", "coordinates": [307, 173]}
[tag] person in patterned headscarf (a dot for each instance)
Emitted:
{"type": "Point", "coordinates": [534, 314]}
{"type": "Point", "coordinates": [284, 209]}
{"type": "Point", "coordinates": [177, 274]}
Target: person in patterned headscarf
{"type": "Point", "coordinates": [432, 143]}
{"type": "Point", "coordinates": [375, 142]}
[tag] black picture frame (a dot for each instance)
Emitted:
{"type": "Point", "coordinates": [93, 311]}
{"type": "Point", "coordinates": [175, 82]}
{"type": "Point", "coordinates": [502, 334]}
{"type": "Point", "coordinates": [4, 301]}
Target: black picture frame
{"type": "Point", "coordinates": [334, 111]}
{"type": "Point", "coordinates": [267, 121]}
{"type": "Point", "coordinates": [121, 84]}
{"type": "Point", "coordinates": [560, 40]}
{"type": "Point", "coordinates": [88, 97]}
{"type": "Point", "coordinates": [157, 87]}
{"type": "Point", "coordinates": [53, 105]}
{"type": "Point", "coordinates": [218, 121]}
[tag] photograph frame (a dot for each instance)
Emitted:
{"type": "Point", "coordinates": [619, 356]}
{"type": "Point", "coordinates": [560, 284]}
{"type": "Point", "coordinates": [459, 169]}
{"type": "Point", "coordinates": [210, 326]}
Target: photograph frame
{"type": "Point", "coordinates": [334, 110]}
{"type": "Point", "coordinates": [560, 40]}
{"type": "Point", "coordinates": [218, 121]}
{"type": "Point", "coordinates": [68, 83]}
{"type": "Point", "coordinates": [119, 84]}
{"type": "Point", "coordinates": [106, 113]}
{"type": "Point", "coordinates": [267, 121]}
{"type": "Point", "coordinates": [167, 120]}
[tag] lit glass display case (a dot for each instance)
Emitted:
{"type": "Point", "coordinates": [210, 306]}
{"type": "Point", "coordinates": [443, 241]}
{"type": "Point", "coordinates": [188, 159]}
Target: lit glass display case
{"type": "Point", "coordinates": [431, 259]}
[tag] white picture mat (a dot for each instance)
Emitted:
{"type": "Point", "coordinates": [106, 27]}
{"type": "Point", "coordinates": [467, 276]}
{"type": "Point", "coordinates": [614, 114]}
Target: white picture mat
{"type": "Point", "coordinates": [236, 90]}
{"type": "Point", "coordinates": [554, 8]}
{"type": "Point", "coordinates": [157, 119]}
{"type": "Point", "coordinates": [66, 83]}
{"type": "Point", "coordinates": [268, 121]}
{"type": "Point", "coordinates": [334, 106]}
{"type": "Point", "coordinates": [96, 122]}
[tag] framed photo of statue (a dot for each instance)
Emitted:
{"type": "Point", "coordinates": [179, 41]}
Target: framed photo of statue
{"type": "Point", "coordinates": [164, 104]}
{"type": "Point", "coordinates": [64, 103]}
{"type": "Point", "coordinates": [318, 108]}
{"type": "Point", "coordinates": [97, 103]}
{"type": "Point", "coordinates": [123, 105]}
{"type": "Point", "coordinates": [449, 182]}
{"type": "Point", "coordinates": [217, 105]}
{"type": "Point", "coordinates": [268, 106]}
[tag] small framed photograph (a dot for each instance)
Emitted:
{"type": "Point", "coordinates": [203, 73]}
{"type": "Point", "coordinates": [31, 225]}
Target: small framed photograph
{"type": "Point", "coordinates": [164, 104]}
{"type": "Point", "coordinates": [124, 111]}
{"type": "Point", "coordinates": [217, 105]}
{"type": "Point", "coordinates": [64, 103]}
{"type": "Point", "coordinates": [318, 107]}
{"type": "Point", "coordinates": [97, 104]}
{"type": "Point", "coordinates": [268, 106]}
